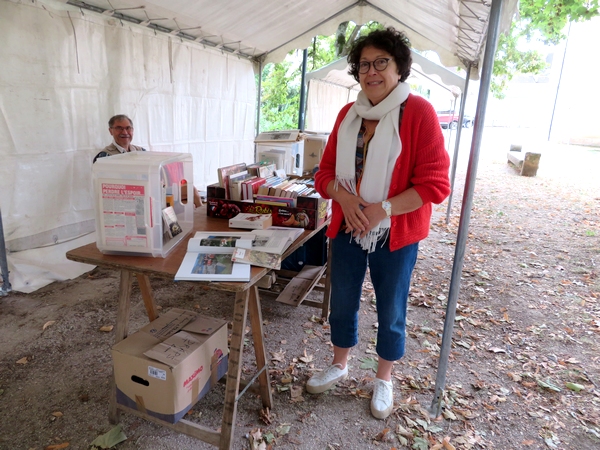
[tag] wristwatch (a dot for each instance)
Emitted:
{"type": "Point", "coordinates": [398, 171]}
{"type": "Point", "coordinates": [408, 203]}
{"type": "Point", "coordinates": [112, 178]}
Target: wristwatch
{"type": "Point", "coordinates": [387, 207]}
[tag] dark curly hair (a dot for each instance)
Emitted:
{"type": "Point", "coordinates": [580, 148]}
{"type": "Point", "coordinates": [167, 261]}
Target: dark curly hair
{"type": "Point", "coordinates": [390, 40]}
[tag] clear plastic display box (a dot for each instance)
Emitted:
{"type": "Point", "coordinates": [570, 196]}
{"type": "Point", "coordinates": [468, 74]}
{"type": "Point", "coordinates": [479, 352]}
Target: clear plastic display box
{"type": "Point", "coordinates": [132, 192]}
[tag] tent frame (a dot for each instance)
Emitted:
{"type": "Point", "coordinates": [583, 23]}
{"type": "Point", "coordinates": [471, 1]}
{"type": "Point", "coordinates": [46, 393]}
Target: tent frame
{"type": "Point", "coordinates": [467, 203]}
{"type": "Point", "coordinates": [6, 287]}
{"type": "Point", "coordinates": [471, 27]}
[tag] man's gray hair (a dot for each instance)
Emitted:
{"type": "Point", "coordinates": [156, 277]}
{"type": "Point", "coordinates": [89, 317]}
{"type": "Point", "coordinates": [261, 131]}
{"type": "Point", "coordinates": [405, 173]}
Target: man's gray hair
{"type": "Point", "coordinates": [113, 119]}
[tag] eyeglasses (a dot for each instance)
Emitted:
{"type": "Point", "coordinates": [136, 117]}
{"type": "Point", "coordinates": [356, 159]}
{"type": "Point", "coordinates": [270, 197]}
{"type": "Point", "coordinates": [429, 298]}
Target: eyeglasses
{"type": "Point", "coordinates": [121, 129]}
{"type": "Point", "coordinates": [379, 64]}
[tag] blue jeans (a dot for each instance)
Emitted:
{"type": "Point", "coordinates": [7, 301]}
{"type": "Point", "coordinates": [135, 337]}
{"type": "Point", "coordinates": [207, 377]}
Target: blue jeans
{"type": "Point", "coordinates": [390, 274]}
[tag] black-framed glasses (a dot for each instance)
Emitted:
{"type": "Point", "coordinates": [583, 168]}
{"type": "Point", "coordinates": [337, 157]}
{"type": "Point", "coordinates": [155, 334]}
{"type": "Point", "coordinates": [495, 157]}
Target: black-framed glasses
{"type": "Point", "coordinates": [379, 64]}
{"type": "Point", "coordinates": [121, 129]}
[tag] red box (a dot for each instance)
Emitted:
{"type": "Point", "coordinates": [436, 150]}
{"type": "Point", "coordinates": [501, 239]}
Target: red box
{"type": "Point", "coordinates": [309, 214]}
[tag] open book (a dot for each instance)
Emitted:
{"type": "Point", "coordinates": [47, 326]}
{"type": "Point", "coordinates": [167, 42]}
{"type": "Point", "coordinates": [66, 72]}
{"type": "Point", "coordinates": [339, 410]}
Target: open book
{"type": "Point", "coordinates": [266, 248]}
{"type": "Point", "coordinates": [208, 258]}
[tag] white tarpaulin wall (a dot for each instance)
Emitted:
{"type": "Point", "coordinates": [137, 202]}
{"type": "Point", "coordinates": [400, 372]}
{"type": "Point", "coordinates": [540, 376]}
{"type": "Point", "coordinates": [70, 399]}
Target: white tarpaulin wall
{"type": "Point", "coordinates": [323, 103]}
{"type": "Point", "coordinates": [65, 72]}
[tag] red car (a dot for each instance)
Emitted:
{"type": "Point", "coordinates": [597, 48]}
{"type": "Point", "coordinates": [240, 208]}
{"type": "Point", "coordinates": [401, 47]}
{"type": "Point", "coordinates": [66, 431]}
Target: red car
{"type": "Point", "coordinates": [449, 119]}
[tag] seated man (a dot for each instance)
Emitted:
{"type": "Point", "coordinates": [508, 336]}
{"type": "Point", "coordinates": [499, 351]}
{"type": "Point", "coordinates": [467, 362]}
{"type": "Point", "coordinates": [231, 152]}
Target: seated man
{"type": "Point", "coordinates": [121, 129]}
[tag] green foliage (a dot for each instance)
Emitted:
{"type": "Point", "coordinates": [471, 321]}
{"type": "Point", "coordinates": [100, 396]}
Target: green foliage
{"type": "Point", "coordinates": [542, 20]}
{"type": "Point", "coordinates": [280, 99]}
{"type": "Point", "coordinates": [321, 52]}
{"type": "Point", "coordinates": [550, 17]}
{"type": "Point", "coordinates": [511, 61]}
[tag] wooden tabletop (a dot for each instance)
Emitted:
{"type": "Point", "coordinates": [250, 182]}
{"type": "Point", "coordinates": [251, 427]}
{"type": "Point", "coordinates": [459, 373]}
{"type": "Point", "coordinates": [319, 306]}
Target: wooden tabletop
{"type": "Point", "coordinates": [167, 267]}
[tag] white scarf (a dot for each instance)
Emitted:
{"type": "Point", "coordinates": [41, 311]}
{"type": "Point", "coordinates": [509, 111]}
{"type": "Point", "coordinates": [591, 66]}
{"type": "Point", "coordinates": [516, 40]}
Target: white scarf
{"type": "Point", "coordinates": [384, 148]}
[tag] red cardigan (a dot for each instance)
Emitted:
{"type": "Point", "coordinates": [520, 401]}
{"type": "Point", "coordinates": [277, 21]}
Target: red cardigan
{"type": "Point", "coordinates": [422, 164]}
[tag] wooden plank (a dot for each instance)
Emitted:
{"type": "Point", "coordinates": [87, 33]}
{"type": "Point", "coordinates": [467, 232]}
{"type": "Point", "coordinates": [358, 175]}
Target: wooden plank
{"type": "Point", "coordinates": [516, 159]}
{"type": "Point", "coordinates": [259, 348]}
{"type": "Point", "coordinates": [144, 283]}
{"type": "Point", "coordinates": [327, 291]}
{"type": "Point", "coordinates": [234, 371]}
{"type": "Point", "coordinates": [122, 328]}
{"type": "Point", "coordinates": [300, 286]}
{"type": "Point", "coordinates": [121, 331]}
{"type": "Point", "coordinates": [531, 162]}
{"type": "Point", "coordinates": [183, 426]}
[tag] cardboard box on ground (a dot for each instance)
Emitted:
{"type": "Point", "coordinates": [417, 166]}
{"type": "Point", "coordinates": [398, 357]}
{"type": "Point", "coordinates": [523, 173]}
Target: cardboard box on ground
{"type": "Point", "coordinates": [167, 366]}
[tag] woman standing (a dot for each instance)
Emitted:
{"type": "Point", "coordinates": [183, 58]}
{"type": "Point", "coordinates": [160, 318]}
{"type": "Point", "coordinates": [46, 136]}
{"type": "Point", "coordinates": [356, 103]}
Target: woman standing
{"type": "Point", "coordinates": [383, 167]}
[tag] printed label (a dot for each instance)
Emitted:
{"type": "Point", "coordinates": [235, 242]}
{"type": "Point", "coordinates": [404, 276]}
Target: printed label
{"type": "Point", "coordinates": [157, 373]}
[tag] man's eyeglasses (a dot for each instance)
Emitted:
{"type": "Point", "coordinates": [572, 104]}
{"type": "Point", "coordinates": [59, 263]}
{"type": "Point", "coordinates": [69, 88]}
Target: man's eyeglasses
{"type": "Point", "coordinates": [121, 129]}
{"type": "Point", "coordinates": [379, 64]}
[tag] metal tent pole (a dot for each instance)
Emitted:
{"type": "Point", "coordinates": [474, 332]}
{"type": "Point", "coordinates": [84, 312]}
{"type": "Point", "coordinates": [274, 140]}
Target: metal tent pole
{"type": "Point", "coordinates": [461, 118]}
{"type": "Point", "coordinates": [302, 107]}
{"type": "Point", "coordinates": [5, 288]}
{"type": "Point", "coordinates": [450, 123]}
{"type": "Point", "coordinates": [465, 215]}
{"type": "Point", "coordinates": [259, 97]}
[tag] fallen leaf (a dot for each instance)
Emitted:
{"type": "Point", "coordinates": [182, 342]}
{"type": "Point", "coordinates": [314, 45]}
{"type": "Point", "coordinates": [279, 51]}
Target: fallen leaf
{"type": "Point", "coordinates": [496, 350]}
{"type": "Point", "coordinates": [548, 385]}
{"type": "Point", "coordinates": [23, 360]}
{"type": "Point", "coordinates": [306, 358]}
{"type": "Point", "coordinates": [382, 434]}
{"type": "Point", "coordinates": [575, 387]}
{"type": "Point", "coordinates": [110, 438]}
{"type": "Point", "coordinates": [296, 394]}
{"type": "Point", "coordinates": [369, 363]}
{"type": "Point", "coordinates": [265, 416]}
{"type": "Point", "coordinates": [449, 415]}
{"type": "Point", "coordinates": [447, 444]}
{"type": "Point", "coordinates": [283, 429]}
{"type": "Point", "coordinates": [107, 328]}
{"type": "Point", "coordinates": [47, 324]}
{"type": "Point", "coordinates": [278, 356]}
{"type": "Point", "coordinates": [514, 376]}
{"type": "Point", "coordinates": [57, 446]}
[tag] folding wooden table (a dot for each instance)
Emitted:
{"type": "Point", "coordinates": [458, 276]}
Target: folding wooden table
{"type": "Point", "coordinates": [246, 300]}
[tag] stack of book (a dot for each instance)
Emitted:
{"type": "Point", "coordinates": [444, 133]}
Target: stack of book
{"type": "Point", "coordinates": [240, 182]}
{"type": "Point", "coordinates": [258, 189]}
{"type": "Point", "coordinates": [284, 192]}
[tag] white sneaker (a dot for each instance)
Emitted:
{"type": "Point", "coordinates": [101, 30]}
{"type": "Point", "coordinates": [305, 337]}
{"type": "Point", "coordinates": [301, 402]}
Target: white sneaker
{"type": "Point", "coordinates": [382, 401]}
{"type": "Point", "coordinates": [322, 381]}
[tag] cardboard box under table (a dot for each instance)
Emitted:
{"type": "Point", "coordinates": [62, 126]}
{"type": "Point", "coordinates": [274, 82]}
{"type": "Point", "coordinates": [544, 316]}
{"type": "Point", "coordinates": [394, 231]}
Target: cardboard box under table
{"type": "Point", "coordinates": [167, 366]}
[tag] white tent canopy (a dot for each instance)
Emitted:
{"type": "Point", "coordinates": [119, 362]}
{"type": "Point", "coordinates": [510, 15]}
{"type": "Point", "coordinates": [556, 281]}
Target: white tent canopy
{"type": "Point", "coordinates": [269, 29]}
{"type": "Point", "coordinates": [337, 73]}
{"type": "Point", "coordinates": [184, 71]}
{"type": "Point", "coordinates": [331, 87]}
